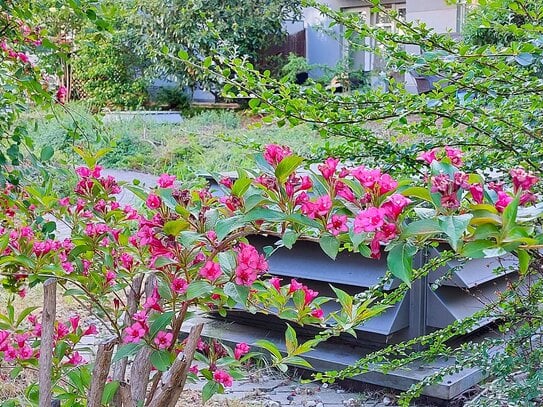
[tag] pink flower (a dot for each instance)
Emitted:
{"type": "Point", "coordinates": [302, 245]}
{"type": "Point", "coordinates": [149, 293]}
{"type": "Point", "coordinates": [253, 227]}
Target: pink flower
{"type": "Point", "coordinates": [10, 354]}
{"type": "Point", "coordinates": [328, 169]}
{"type": "Point", "coordinates": [310, 295]}
{"type": "Point", "coordinates": [166, 181]}
{"type": "Point", "coordinates": [25, 352]}
{"type": "Point", "coordinates": [317, 313]}
{"type": "Point", "coordinates": [220, 376]}
{"type": "Point", "coordinates": [65, 202]}
{"type": "Point", "coordinates": [428, 156]}
{"type": "Point", "coordinates": [275, 282]}
{"type": "Point", "coordinates": [369, 220]}
{"type": "Point", "coordinates": [386, 184]}
{"type": "Point", "coordinates": [344, 191]}
{"type": "Point", "coordinates": [367, 177]}
{"type": "Point", "coordinates": [211, 270]}
{"type": "Point", "coordinates": [91, 330]}
{"type": "Point", "coordinates": [179, 285]}
{"type": "Point", "coordinates": [140, 316]}
{"type": "Point", "coordinates": [337, 224]}
{"type": "Point", "coordinates": [240, 350]}
{"type": "Point", "coordinates": [110, 277]}
{"type": "Point", "coordinates": [163, 339]}
{"type": "Point", "coordinates": [450, 201]}
{"type": "Point", "coordinates": [23, 57]}
{"type": "Point", "coordinates": [74, 322]}
{"type": "Point", "coordinates": [317, 209]}
{"type": "Point", "coordinates": [153, 301]}
{"type": "Point", "coordinates": [134, 333]}
{"type": "Point", "coordinates": [127, 261]}
{"type": "Point", "coordinates": [527, 197]}
{"type": "Point", "coordinates": [68, 267]}
{"type": "Point", "coordinates": [274, 153]}
{"type": "Point", "coordinates": [295, 286]}
{"type": "Point", "coordinates": [250, 264]}
{"type": "Point", "coordinates": [4, 336]}
{"type": "Point", "coordinates": [227, 182]}
{"type": "Point", "coordinates": [61, 330]}
{"type": "Point", "coordinates": [194, 369]}
{"type": "Point", "coordinates": [153, 201]}
{"type": "Point", "coordinates": [83, 172]}
{"type": "Point", "coordinates": [61, 94]}
{"type": "Point", "coordinates": [455, 155]}
{"type": "Point", "coordinates": [477, 192]}
{"type": "Point", "coordinates": [503, 200]}
{"type": "Point", "coordinates": [76, 359]}
{"type": "Point", "coordinates": [395, 204]}
{"type": "Point", "coordinates": [522, 180]}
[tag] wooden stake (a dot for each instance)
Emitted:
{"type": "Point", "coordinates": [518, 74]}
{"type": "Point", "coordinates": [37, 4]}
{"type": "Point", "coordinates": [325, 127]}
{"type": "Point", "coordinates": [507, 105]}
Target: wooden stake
{"type": "Point", "coordinates": [100, 372]}
{"type": "Point", "coordinates": [47, 342]}
{"type": "Point", "coordinates": [174, 379]}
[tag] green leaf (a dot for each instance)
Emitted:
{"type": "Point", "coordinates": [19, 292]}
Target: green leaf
{"type": "Point", "coordinates": [455, 227]}
{"type": "Point", "coordinates": [225, 226]}
{"type": "Point", "coordinates": [422, 227]}
{"type": "Point", "coordinates": [400, 261]}
{"type": "Point", "coordinates": [290, 340]}
{"type": "Point", "coordinates": [198, 288]}
{"type": "Point", "coordinates": [509, 215]}
{"type": "Point", "coordinates": [159, 322]}
{"type": "Point", "coordinates": [345, 300]}
{"type": "Point", "coordinates": [241, 185]}
{"type": "Point", "coordinates": [238, 293]}
{"type": "Point", "coordinates": [524, 259]}
{"type": "Point", "coordinates": [46, 153]}
{"type": "Point", "coordinates": [209, 389]}
{"type": "Point", "coordinates": [270, 347]}
{"type": "Point", "coordinates": [174, 227]}
{"type": "Point", "coordinates": [417, 192]}
{"type": "Point", "coordinates": [24, 313]}
{"type": "Point", "coordinates": [287, 166]}
{"type": "Point", "coordinates": [289, 238]}
{"type": "Point", "coordinates": [161, 360]}
{"type": "Point", "coordinates": [183, 55]}
{"type": "Point", "coordinates": [476, 249]}
{"type": "Point", "coordinates": [264, 214]}
{"type": "Point", "coordinates": [330, 245]}
{"type": "Point", "coordinates": [254, 103]}
{"type": "Point", "coordinates": [297, 361]}
{"type": "Point", "coordinates": [109, 391]}
{"type": "Point", "coordinates": [127, 350]}
{"type": "Point", "coordinates": [162, 261]}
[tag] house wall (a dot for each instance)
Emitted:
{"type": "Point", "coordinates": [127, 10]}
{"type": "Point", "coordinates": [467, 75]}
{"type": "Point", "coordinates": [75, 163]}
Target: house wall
{"type": "Point", "coordinates": [326, 49]}
{"type": "Point", "coordinates": [434, 13]}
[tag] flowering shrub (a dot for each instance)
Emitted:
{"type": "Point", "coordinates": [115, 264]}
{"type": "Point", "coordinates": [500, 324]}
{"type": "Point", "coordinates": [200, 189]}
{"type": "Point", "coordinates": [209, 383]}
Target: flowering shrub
{"type": "Point", "coordinates": [143, 270]}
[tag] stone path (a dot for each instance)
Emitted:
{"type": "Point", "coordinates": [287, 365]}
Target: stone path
{"type": "Point", "coordinates": [273, 392]}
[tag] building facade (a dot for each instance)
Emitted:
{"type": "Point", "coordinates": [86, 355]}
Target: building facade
{"type": "Point", "coordinates": [324, 45]}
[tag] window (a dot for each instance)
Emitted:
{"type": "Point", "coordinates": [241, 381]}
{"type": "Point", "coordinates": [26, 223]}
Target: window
{"type": "Point", "coordinates": [363, 59]}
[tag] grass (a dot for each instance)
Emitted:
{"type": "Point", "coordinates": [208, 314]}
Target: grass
{"type": "Point", "coordinates": [210, 141]}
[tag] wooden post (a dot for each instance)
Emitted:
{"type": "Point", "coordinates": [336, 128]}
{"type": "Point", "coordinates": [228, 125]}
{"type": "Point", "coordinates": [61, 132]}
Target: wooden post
{"type": "Point", "coordinates": [174, 379]}
{"type": "Point", "coordinates": [100, 372]}
{"type": "Point", "coordinates": [47, 342]}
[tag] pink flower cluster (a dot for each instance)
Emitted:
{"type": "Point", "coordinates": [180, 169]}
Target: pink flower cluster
{"type": "Point", "coordinates": [451, 188]}
{"type": "Point", "coordinates": [454, 155]}
{"type": "Point", "coordinates": [250, 264]}
{"type": "Point", "coordinates": [17, 346]}
{"type": "Point", "coordinates": [381, 221]}
{"type": "Point", "coordinates": [89, 176]}
{"type": "Point", "coordinates": [274, 153]}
